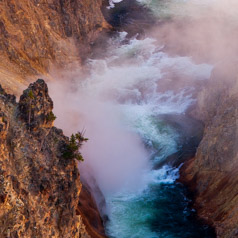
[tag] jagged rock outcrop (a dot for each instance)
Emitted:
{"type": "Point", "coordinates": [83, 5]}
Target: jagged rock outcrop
{"type": "Point", "coordinates": [35, 34]}
{"type": "Point", "coordinates": [213, 174]}
{"type": "Point", "coordinates": [39, 185]}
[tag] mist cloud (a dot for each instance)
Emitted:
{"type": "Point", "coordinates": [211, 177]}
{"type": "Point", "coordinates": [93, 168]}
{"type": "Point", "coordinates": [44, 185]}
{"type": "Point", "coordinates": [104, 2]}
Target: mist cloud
{"type": "Point", "coordinates": [114, 155]}
{"type": "Point", "coordinates": [207, 31]}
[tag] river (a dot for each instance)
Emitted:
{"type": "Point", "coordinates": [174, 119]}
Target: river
{"type": "Point", "coordinates": [123, 104]}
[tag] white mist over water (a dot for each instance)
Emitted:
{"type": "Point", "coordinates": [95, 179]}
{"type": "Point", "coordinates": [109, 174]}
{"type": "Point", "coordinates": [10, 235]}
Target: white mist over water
{"type": "Point", "coordinates": [119, 102]}
{"type": "Point", "coordinates": [192, 8]}
{"type": "Point", "coordinates": [118, 105]}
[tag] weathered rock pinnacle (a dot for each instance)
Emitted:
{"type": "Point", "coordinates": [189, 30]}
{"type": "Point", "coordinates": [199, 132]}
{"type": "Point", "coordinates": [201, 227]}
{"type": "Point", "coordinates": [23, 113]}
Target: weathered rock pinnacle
{"type": "Point", "coordinates": [39, 187]}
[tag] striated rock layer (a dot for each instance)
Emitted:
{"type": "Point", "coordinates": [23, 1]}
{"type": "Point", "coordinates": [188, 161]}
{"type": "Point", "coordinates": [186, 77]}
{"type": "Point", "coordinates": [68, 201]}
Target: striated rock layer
{"type": "Point", "coordinates": [39, 184]}
{"type": "Point", "coordinates": [213, 173]}
{"type": "Point", "coordinates": [37, 33]}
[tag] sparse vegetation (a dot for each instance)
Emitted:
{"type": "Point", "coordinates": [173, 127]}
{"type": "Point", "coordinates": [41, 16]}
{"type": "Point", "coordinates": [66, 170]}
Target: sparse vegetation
{"type": "Point", "coordinates": [51, 117]}
{"type": "Point", "coordinates": [72, 149]}
{"type": "Point", "coordinates": [30, 94]}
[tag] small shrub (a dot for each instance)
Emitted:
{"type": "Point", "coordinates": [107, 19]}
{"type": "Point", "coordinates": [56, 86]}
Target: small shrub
{"type": "Point", "coordinates": [72, 149]}
{"type": "Point", "coordinates": [51, 117]}
{"type": "Point", "coordinates": [30, 94]}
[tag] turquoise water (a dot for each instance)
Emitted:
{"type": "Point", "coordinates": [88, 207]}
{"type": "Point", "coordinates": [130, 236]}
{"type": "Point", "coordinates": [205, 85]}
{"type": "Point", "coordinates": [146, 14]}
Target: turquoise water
{"type": "Point", "coordinates": [144, 203]}
{"type": "Point", "coordinates": [120, 105]}
{"type": "Point", "coordinates": [161, 211]}
{"type": "Point", "coordinates": [157, 207]}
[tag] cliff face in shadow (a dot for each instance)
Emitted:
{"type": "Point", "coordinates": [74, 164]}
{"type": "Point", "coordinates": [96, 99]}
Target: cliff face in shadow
{"type": "Point", "coordinates": [213, 173]}
{"type": "Point", "coordinates": [88, 210]}
{"type": "Point", "coordinates": [39, 184]}
{"type": "Point", "coordinates": [35, 34]}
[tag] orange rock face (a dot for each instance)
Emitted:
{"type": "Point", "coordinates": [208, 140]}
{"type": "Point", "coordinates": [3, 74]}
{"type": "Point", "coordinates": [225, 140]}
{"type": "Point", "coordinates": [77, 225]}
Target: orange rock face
{"type": "Point", "coordinates": [39, 187]}
{"type": "Point", "coordinates": [35, 34]}
{"type": "Point", "coordinates": [39, 184]}
{"type": "Point", "coordinates": [213, 173]}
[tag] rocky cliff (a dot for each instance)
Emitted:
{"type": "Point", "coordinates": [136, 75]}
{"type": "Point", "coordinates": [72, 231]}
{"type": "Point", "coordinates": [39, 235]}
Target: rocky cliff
{"type": "Point", "coordinates": [213, 174]}
{"type": "Point", "coordinates": [34, 34]}
{"type": "Point", "coordinates": [40, 188]}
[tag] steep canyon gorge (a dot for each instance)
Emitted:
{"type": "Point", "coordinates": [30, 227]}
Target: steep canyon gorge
{"type": "Point", "coordinates": [157, 101]}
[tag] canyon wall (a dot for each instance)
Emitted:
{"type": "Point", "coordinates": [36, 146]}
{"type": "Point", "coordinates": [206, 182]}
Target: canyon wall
{"type": "Point", "coordinates": [34, 34]}
{"type": "Point", "coordinates": [213, 174]}
{"type": "Point", "coordinates": [40, 188]}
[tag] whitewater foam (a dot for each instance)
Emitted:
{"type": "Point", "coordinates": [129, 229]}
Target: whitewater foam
{"type": "Point", "coordinates": [118, 104]}
{"type": "Point", "coordinates": [113, 2]}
